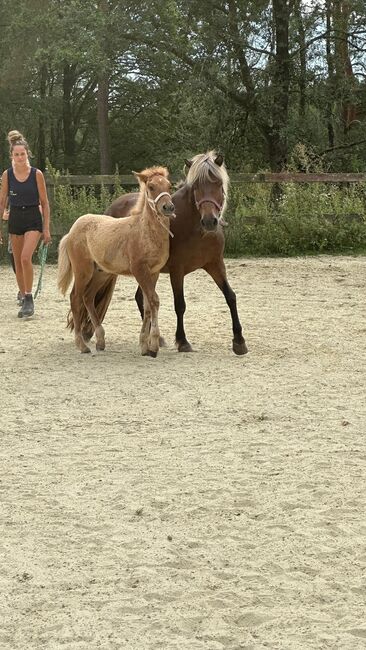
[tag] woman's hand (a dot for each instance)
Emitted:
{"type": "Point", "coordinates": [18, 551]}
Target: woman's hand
{"type": "Point", "coordinates": [46, 236]}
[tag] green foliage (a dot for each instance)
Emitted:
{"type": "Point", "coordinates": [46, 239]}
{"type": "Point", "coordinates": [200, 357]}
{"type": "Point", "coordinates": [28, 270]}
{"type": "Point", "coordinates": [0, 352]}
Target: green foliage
{"type": "Point", "coordinates": [308, 219]}
{"type": "Point", "coordinates": [70, 202]}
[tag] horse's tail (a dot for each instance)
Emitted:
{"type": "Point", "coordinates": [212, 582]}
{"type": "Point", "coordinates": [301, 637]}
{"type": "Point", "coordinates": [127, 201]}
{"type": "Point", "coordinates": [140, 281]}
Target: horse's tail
{"type": "Point", "coordinates": [64, 268]}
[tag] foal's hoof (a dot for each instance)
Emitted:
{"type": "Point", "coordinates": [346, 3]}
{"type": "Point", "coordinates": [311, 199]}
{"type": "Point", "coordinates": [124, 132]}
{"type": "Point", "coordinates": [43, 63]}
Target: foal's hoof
{"type": "Point", "coordinates": [162, 342]}
{"type": "Point", "coordinates": [100, 347]}
{"type": "Point", "coordinates": [240, 348]}
{"type": "Point", "coordinates": [85, 351]}
{"type": "Point", "coordinates": [150, 353]}
{"type": "Point", "coordinates": [184, 347]}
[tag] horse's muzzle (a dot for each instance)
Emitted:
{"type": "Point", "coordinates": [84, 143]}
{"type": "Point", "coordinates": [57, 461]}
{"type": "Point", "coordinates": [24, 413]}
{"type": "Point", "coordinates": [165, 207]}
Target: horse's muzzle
{"type": "Point", "coordinates": [209, 223]}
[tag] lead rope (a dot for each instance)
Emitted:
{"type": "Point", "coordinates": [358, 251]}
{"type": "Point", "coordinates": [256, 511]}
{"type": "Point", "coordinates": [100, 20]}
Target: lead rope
{"type": "Point", "coordinates": [42, 258]}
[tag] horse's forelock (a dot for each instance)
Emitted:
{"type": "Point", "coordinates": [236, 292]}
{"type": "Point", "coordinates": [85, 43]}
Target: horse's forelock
{"type": "Point", "coordinates": [204, 168]}
{"type": "Point", "coordinates": [154, 171]}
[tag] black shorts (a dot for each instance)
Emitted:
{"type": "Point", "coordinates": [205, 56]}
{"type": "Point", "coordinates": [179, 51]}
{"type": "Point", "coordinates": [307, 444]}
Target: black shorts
{"type": "Point", "coordinates": [23, 219]}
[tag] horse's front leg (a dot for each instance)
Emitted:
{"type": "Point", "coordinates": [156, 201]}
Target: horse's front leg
{"type": "Point", "coordinates": [177, 281]}
{"type": "Point", "coordinates": [217, 271]}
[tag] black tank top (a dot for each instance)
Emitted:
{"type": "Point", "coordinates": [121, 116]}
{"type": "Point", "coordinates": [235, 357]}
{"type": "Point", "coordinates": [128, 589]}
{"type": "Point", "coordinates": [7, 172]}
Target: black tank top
{"type": "Point", "coordinates": [23, 193]}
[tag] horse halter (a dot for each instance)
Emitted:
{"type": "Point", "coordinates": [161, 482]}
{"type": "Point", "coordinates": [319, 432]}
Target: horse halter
{"type": "Point", "coordinates": [153, 204]}
{"type": "Point", "coordinates": [208, 200]}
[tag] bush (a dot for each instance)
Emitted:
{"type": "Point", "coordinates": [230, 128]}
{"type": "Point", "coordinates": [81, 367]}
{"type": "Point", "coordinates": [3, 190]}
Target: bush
{"type": "Point", "coordinates": [306, 219]}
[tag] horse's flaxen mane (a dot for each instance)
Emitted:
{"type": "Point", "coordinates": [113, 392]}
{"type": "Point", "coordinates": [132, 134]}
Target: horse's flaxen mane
{"type": "Point", "coordinates": [204, 169]}
{"type": "Point", "coordinates": [143, 178]}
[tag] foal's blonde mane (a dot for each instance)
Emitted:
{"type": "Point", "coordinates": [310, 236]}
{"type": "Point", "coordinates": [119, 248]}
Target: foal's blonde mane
{"type": "Point", "coordinates": [203, 168]}
{"type": "Point", "coordinates": [143, 178]}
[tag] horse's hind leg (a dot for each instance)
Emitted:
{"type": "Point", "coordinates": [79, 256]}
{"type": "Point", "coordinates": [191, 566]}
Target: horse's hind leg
{"type": "Point", "coordinates": [88, 298]}
{"type": "Point", "coordinates": [217, 271]}
{"type": "Point", "coordinates": [104, 284]}
{"type": "Point", "coordinates": [145, 328]}
{"type": "Point", "coordinates": [76, 303]}
{"type": "Point", "coordinates": [96, 300]}
{"type": "Point", "coordinates": [81, 279]}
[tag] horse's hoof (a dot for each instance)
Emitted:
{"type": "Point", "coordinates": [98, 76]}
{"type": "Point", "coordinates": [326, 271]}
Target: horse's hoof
{"type": "Point", "coordinates": [149, 353]}
{"type": "Point", "coordinates": [100, 347]}
{"type": "Point", "coordinates": [240, 348]}
{"type": "Point", "coordinates": [184, 347]}
{"type": "Point", "coordinates": [85, 351]}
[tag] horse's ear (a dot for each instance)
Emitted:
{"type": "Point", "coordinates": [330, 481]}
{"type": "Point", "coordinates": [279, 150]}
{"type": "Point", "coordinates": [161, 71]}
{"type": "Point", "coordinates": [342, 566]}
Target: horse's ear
{"type": "Point", "coordinates": [188, 163]}
{"type": "Point", "coordinates": [140, 177]}
{"type": "Point", "coordinates": [219, 159]}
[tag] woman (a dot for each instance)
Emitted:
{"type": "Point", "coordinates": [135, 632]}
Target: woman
{"type": "Point", "coordinates": [24, 188]}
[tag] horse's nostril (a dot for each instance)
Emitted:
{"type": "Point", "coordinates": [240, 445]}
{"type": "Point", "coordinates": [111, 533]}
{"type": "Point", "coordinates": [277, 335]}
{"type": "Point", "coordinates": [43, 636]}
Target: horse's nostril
{"type": "Point", "coordinates": [168, 207]}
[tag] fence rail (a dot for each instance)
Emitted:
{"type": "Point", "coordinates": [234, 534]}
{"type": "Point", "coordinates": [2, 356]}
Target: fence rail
{"type": "Point", "coordinates": [260, 177]}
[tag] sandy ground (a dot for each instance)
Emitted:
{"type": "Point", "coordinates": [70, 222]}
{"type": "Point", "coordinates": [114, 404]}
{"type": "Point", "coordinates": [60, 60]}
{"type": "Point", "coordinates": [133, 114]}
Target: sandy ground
{"type": "Point", "coordinates": [194, 500]}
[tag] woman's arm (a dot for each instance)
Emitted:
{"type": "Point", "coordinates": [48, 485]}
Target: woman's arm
{"type": "Point", "coordinates": [3, 200]}
{"type": "Point", "coordinates": [45, 206]}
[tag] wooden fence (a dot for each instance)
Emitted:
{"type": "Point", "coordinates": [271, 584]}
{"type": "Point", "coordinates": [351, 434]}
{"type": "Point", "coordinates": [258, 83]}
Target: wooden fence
{"type": "Point", "coordinates": [128, 181]}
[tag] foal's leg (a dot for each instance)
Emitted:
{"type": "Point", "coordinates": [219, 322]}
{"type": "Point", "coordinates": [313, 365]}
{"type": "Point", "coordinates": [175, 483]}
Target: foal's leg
{"type": "Point", "coordinates": [139, 297]}
{"type": "Point", "coordinates": [81, 279]}
{"type": "Point", "coordinates": [89, 298]}
{"type": "Point", "coordinates": [103, 285]}
{"type": "Point", "coordinates": [149, 336]}
{"type": "Point", "coordinates": [177, 280]}
{"type": "Point", "coordinates": [76, 303]}
{"type": "Point", "coordinates": [217, 271]}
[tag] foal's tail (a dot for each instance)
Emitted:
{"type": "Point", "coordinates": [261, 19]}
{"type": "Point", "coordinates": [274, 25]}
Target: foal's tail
{"type": "Point", "coordinates": [64, 269]}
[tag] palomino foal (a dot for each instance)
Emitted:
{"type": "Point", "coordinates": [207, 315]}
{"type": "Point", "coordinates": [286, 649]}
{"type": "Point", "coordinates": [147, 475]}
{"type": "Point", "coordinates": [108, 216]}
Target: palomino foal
{"type": "Point", "coordinates": [98, 248]}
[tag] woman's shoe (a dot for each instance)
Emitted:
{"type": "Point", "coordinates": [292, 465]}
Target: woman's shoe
{"type": "Point", "coordinates": [27, 306]}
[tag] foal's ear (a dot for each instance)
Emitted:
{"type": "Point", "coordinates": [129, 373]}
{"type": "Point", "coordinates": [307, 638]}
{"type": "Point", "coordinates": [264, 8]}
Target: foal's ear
{"type": "Point", "coordinates": [219, 159]}
{"type": "Point", "coordinates": [140, 177]}
{"type": "Point", "coordinates": [188, 163]}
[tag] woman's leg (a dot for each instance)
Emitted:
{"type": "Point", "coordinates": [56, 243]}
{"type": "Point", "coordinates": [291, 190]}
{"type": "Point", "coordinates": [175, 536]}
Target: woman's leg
{"type": "Point", "coordinates": [17, 242]}
{"type": "Point", "coordinates": [31, 240]}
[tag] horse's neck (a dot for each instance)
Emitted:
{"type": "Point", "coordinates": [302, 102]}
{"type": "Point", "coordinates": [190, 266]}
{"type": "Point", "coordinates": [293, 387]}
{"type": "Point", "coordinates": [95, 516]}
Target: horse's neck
{"type": "Point", "coordinates": [153, 221]}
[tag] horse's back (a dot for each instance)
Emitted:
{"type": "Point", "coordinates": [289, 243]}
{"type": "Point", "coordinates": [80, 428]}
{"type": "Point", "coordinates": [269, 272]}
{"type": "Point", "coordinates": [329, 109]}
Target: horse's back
{"type": "Point", "coordinates": [122, 206]}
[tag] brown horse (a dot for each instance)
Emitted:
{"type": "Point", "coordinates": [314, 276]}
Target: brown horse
{"type": "Point", "coordinates": [98, 248]}
{"type": "Point", "coordinates": [198, 241]}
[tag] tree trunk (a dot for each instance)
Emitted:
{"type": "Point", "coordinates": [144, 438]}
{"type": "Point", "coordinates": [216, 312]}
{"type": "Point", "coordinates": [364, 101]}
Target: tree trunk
{"type": "Point", "coordinates": [344, 72]}
{"type": "Point", "coordinates": [277, 131]}
{"type": "Point", "coordinates": [67, 117]}
{"type": "Point", "coordinates": [103, 96]}
{"type": "Point", "coordinates": [103, 124]}
{"type": "Point", "coordinates": [331, 80]}
{"type": "Point", "coordinates": [302, 57]}
{"type": "Point", "coordinates": [41, 120]}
